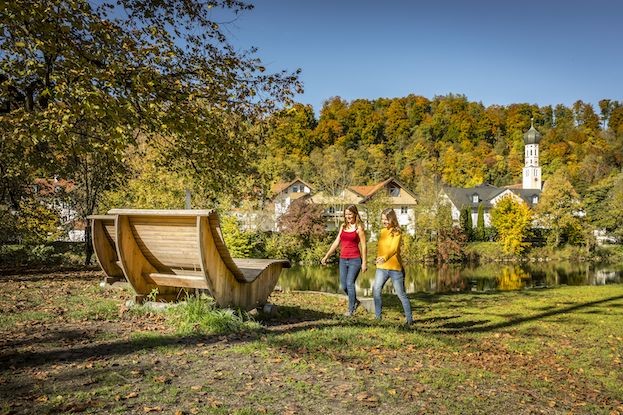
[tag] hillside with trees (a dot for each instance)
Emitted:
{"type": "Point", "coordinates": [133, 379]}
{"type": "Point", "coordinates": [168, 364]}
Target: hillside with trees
{"type": "Point", "coordinates": [132, 108]}
{"type": "Point", "coordinates": [451, 141]}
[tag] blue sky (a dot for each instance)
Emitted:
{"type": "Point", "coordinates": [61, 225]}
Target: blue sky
{"type": "Point", "coordinates": [496, 52]}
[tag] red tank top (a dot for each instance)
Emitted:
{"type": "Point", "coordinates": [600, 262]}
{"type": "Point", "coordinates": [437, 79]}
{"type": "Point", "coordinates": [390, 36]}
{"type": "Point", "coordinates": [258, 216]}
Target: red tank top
{"type": "Point", "coordinates": [350, 245]}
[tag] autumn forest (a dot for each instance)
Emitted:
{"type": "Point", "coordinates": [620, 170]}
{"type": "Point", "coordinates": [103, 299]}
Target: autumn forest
{"type": "Point", "coordinates": [135, 110]}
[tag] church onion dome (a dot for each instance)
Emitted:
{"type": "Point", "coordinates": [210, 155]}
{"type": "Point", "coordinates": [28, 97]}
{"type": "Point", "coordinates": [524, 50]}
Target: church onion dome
{"type": "Point", "coordinates": [532, 136]}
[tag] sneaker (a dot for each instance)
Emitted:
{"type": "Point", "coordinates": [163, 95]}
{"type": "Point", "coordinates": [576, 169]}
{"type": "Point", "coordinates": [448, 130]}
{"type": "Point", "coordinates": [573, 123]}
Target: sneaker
{"type": "Point", "coordinates": [357, 303]}
{"type": "Point", "coordinates": [348, 314]}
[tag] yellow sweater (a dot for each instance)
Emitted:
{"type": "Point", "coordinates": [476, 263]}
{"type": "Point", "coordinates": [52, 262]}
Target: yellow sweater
{"type": "Point", "coordinates": [389, 248]}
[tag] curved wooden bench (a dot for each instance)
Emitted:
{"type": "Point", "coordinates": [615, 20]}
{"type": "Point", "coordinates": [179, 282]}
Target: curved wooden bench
{"type": "Point", "coordinates": [105, 247]}
{"type": "Point", "coordinates": [174, 250]}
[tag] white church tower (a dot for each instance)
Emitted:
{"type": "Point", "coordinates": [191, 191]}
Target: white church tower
{"type": "Point", "coordinates": [531, 170]}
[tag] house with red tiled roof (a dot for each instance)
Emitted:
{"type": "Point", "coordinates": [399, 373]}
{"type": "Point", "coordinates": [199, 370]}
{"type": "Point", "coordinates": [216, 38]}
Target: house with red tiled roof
{"type": "Point", "coordinates": [392, 192]}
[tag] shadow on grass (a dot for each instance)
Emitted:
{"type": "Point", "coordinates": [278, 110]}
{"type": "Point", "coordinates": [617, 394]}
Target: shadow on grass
{"type": "Point", "coordinates": [63, 274]}
{"type": "Point", "coordinates": [480, 326]}
{"type": "Point", "coordinates": [101, 350]}
{"type": "Point", "coordinates": [287, 318]}
{"type": "Point", "coordinates": [50, 337]}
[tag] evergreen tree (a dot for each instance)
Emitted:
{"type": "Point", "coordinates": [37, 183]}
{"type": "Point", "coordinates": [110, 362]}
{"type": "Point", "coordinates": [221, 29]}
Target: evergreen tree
{"type": "Point", "coordinates": [465, 221]}
{"type": "Point", "coordinates": [480, 224]}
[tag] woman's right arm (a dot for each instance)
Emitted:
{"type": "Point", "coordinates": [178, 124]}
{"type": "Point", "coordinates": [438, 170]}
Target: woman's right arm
{"type": "Point", "coordinates": [332, 249]}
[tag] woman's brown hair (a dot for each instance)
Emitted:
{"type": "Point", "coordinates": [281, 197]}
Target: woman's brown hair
{"type": "Point", "coordinates": [354, 211]}
{"type": "Point", "coordinates": [394, 227]}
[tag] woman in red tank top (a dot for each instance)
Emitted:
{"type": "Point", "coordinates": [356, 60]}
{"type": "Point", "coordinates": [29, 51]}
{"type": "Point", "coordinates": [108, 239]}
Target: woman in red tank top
{"type": "Point", "coordinates": [352, 241]}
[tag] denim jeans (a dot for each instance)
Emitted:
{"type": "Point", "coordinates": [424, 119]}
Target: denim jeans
{"type": "Point", "coordinates": [398, 279]}
{"type": "Point", "coordinates": [349, 270]}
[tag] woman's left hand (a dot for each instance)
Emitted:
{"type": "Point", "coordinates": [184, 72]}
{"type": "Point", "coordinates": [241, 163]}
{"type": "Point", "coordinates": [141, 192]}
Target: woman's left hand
{"type": "Point", "coordinates": [364, 267]}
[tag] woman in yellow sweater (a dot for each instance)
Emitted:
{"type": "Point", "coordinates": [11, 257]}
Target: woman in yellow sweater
{"type": "Point", "coordinates": [389, 264]}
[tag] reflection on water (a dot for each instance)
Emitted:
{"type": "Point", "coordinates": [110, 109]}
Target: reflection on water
{"type": "Point", "coordinates": [456, 278]}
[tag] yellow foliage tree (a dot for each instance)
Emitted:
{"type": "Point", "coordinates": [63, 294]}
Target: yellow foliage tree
{"type": "Point", "coordinates": [511, 218]}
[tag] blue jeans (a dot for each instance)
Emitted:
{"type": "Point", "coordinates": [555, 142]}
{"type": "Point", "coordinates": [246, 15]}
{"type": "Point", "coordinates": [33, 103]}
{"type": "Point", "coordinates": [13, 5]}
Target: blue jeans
{"type": "Point", "coordinates": [398, 279]}
{"type": "Point", "coordinates": [349, 270]}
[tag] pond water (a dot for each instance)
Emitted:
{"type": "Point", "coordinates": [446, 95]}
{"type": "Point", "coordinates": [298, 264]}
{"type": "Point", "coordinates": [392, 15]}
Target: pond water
{"type": "Point", "coordinates": [459, 278]}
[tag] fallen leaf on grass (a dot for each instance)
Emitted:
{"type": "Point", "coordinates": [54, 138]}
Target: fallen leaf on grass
{"type": "Point", "coordinates": [147, 409]}
{"type": "Point", "coordinates": [162, 379]}
{"type": "Point", "coordinates": [41, 375]}
{"type": "Point", "coordinates": [78, 407]}
{"type": "Point", "coordinates": [365, 396]}
{"type": "Point", "coordinates": [214, 403]}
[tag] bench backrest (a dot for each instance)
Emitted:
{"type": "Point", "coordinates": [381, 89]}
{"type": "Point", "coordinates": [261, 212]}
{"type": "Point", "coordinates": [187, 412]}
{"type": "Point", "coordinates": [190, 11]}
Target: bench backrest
{"type": "Point", "coordinates": [170, 239]}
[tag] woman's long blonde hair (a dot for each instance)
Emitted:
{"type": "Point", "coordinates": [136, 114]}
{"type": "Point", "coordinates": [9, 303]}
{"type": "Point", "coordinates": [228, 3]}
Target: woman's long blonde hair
{"type": "Point", "coordinates": [394, 227]}
{"type": "Point", "coordinates": [352, 209]}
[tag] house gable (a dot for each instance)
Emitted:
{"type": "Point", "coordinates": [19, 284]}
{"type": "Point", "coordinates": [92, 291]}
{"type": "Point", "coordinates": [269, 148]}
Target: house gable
{"type": "Point", "coordinates": [397, 193]}
{"type": "Point", "coordinates": [472, 196]}
{"type": "Point", "coordinates": [346, 197]}
{"type": "Point", "coordinates": [294, 189]}
{"type": "Point", "coordinates": [505, 193]}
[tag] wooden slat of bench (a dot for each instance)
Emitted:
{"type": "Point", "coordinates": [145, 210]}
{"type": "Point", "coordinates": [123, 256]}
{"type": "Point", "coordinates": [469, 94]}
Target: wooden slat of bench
{"type": "Point", "coordinates": [160, 212]}
{"type": "Point", "coordinates": [221, 247]}
{"type": "Point", "coordinates": [257, 263]}
{"type": "Point", "coordinates": [184, 281]}
{"type": "Point", "coordinates": [251, 268]}
{"type": "Point", "coordinates": [167, 242]}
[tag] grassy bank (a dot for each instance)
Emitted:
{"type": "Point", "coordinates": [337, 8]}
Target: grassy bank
{"type": "Point", "coordinates": [69, 346]}
{"type": "Point", "coordinates": [483, 252]}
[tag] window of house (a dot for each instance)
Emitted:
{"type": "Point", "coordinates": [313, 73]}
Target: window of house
{"type": "Point", "coordinates": [331, 210]}
{"type": "Point", "coordinates": [475, 198]}
{"type": "Point", "coordinates": [295, 189]}
{"type": "Point", "coordinates": [403, 210]}
{"type": "Point", "coordinates": [535, 199]}
{"type": "Point", "coordinates": [394, 191]}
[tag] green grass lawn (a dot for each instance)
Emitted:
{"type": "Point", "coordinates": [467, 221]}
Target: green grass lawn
{"type": "Point", "coordinates": [68, 346]}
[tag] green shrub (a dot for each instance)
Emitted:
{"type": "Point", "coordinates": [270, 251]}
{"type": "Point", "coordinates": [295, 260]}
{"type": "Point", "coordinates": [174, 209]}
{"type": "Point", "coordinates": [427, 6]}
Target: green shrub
{"type": "Point", "coordinates": [610, 253]}
{"type": "Point", "coordinates": [43, 254]}
{"type": "Point", "coordinates": [8, 227]}
{"type": "Point", "coordinates": [414, 250]}
{"type": "Point", "coordinates": [484, 252]}
{"type": "Point", "coordinates": [13, 256]}
{"type": "Point", "coordinates": [36, 223]}
{"type": "Point", "coordinates": [199, 315]}
{"type": "Point", "coordinates": [280, 245]}
{"type": "Point", "coordinates": [241, 244]}
{"type": "Point", "coordinates": [314, 254]}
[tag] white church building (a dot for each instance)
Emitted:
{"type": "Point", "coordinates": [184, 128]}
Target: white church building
{"type": "Point", "coordinates": [488, 195]}
{"type": "Point", "coordinates": [532, 169]}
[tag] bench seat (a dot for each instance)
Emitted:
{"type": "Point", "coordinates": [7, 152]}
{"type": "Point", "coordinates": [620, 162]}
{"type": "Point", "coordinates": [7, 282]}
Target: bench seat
{"type": "Point", "coordinates": [174, 250]}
